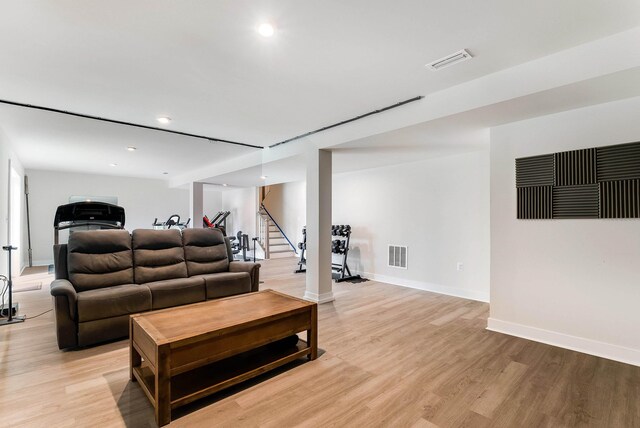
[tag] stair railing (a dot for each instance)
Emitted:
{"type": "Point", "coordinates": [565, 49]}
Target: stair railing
{"type": "Point", "coordinates": [263, 233]}
{"type": "Point", "coordinates": [293, 247]}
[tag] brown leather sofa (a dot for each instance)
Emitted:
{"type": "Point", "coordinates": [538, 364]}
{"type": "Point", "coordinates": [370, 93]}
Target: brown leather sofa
{"type": "Point", "coordinates": [104, 276]}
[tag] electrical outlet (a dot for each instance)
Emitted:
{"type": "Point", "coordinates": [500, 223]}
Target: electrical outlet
{"type": "Point", "coordinates": [460, 266]}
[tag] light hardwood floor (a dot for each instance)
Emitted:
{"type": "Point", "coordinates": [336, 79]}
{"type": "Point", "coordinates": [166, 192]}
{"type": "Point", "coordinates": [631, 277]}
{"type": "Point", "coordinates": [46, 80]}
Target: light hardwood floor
{"type": "Point", "coordinates": [392, 356]}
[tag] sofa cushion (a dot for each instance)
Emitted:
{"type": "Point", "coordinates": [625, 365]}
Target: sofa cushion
{"type": "Point", "coordinates": [205, 251]}
{"type": "Point", "coordinates": [99, 258]}
{"type": "Point", "coordinates": [226, 284]}
{"type": "Point", "coordinates": [113, 301]}
{"type": "Point", "coordinates": [158, 255]}
{"type": "Point", "coordinates": [174, 292]}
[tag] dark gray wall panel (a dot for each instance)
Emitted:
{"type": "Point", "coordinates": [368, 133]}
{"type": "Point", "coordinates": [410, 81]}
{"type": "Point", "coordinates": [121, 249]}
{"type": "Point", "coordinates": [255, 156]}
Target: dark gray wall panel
{"type": "Point", "coordinates": [576, 201]}
{"type": "Point", "coordinates": [575, 167]}
{"type": "Point", "coordinates": [619, 162]}
{"type": "Point", "coordinates": [534, 202]}
{"type": "Point", "coordinates": [534, 171]}
{"type": "Point", "coordinates": [602, 182]}
{"type": "Point", "coordinates": [620, 199]}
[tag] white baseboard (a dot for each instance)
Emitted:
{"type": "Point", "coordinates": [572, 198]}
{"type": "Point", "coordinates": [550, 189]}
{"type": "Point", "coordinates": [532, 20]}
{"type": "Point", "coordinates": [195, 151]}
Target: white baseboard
{"type": "Point", "coordinates": [575, 343]}
{"type": "Point", "coordinates": [427, 286]}
{"type": "Point", "coordinates": [319, 298]}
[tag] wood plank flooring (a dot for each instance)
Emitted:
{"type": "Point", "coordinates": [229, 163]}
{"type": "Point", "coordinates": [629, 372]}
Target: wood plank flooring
{"type": "Point", "coordinates": [393, 357]}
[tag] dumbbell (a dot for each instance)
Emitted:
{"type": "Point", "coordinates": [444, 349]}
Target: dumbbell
{"type": "Point", "coordinates": [335, 246]}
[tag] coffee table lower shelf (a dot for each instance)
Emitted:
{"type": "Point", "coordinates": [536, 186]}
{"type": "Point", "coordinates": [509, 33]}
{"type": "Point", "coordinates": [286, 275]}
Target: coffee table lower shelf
{"type": "Point", "coordinates": [206, 380]}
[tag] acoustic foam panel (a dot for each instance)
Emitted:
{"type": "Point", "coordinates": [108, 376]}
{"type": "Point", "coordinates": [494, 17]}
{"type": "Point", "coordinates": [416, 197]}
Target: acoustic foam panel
{"type": "Point", "coordinates": [575, 167]}
{"type": "Point", "coordinates": [620, 199]}
{"type": "Point", "coordinates": [534, 171]}
{"type": "Point", "coordinates": [619, 162]}
{"type": "Point", "coordinates": [575, 201]}
{"type": "Point", "coordinates": [534, 202]}
{"type": "Point", "coordinates": [602, 182]}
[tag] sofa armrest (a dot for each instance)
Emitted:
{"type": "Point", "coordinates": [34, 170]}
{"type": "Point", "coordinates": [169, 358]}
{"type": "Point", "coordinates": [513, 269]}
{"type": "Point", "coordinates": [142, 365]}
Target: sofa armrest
{"type": "Point", "coordinates": [65, 303]}
{"type": "Point", "coordinates": [253, 269]}
{"type": "Point", "coordinates": [62, 288]}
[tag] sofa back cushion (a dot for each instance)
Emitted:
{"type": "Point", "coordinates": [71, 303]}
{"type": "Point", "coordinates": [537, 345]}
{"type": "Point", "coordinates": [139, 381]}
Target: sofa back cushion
{"type": "Point", "coordinates": [158, 255]}
{"type": "Point", "coordinates": [99, 258]}
{"type": "Point", "coordinates": [205, 251]}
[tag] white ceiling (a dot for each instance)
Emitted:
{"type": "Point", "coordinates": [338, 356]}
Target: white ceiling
{"type": "Point", "coordinates": [455, 134]}
{"type": "Point", "coordinates": [203, 64]}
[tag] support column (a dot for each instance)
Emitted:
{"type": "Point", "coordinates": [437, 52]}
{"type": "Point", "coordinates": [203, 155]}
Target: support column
{"type": "Point", "coordinates": [319, 283]}
{"type": "Point", "coordinates": [196, 204]}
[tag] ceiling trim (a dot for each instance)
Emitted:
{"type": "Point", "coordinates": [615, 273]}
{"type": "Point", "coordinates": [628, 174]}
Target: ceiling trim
{"type": "Point", "coordinates": [122, 122]}
{"type": "Point", "coordinates": [353, 119]}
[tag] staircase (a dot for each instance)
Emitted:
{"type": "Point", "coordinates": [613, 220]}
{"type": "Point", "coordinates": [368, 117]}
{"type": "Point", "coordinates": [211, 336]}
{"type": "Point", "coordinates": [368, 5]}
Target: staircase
{"type": "Point", "coordinates": [273, 242]}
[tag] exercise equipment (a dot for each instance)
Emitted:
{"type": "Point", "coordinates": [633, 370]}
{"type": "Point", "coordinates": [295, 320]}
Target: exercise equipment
{"type": "Point", "coordinates": [303, 249]}
{"type": "Point", "coordinates": [26, 198]}
{"type": "Point", "coordinates": [240, 242]}
{"type": "Point", "coordinates": [172, 221]}
{"type": "Point", "coordinates": [219, 221]}
{"type": "Point", "coordinates": [88, 216]}
{"type": "Point", "coordinates": [11, 317]}
{"type": "Point", "coordinates": [339, 246]}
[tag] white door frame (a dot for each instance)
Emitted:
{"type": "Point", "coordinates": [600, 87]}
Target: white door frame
{"type": "Point", "coordinates": [14, 211]}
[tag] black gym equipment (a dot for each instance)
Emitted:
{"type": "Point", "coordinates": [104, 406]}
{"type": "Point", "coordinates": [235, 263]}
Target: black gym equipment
{"type": "Point", "coordinates": [338, 246]}
{"type": "Point", "coordinates": [26, 198]}
{"type": "Point", "coordinates": [218, 222]}
{"type": "Point", "coordinates": [240, 242]}
{"type": "Point", "coordinates": [11, 317]}
{"type": "Point", "coordinates": [88, 216]}
{"type": "Point", "coordinates": [303, 247]}
{"type": "Point", "coordinates": [172, 221]}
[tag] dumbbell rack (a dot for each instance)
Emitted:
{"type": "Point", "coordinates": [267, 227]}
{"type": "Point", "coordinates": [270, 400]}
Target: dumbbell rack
{"type": "Point", "coordinates": [338, 246]}
{"type": "Point", "coordinates": [303, 248]}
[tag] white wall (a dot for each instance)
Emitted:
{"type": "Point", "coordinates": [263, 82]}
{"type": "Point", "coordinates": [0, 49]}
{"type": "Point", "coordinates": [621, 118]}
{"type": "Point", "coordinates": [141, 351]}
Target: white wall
{"type": "Point", "coordinates": [212, 202]}
{"type": "Point", "coordinates": [7, 153]}
{"type": "Point", "coordinates": [242, 203]}
{"type": "Point", "coordinates": [572, 283]}
{"type": "Point", "coordinates": [438, 208]}
{"type": "Point", "coordinates": [286, 202]}
{"type": "Point", "coordinates": [142, 199]}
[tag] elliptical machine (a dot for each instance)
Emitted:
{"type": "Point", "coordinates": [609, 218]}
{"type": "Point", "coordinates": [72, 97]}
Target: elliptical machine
{"type": "Point", "coordinates": [172, 221]}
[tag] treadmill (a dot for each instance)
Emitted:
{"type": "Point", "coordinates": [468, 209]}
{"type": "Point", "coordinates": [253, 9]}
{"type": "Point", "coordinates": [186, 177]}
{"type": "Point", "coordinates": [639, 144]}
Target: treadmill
{"type": "Point", "coordinates": [87, 216]}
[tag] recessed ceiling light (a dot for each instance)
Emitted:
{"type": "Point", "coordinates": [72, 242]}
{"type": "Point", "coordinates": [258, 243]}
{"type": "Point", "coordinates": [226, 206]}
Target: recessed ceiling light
{"type": "Point", "coordinates": [263, 177]}
{"type": "Point", "coordinates": [113, 164]}
{"type": "Point", "coordinates": [131, 149]}
{"type": "Point", "coordinates": [165, 173]}
{"type": "Point", "coordinates": [225, 185]}
{"type": "Point", "coordinates": [266, 29]}
{"type": "Point", "coordinates": [163, 120]}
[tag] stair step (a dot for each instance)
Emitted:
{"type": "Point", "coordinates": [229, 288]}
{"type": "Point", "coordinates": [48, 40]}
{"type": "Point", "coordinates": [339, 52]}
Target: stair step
{"type": "Point", "coordinates": [281, 251]}
{"type": "Point", "coordinates": [283, 255]}
{"type": "Point", "coordinates": [283, 244]}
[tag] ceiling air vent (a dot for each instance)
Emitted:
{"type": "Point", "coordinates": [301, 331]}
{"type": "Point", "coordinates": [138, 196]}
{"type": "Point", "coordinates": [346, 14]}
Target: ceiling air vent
{"type": "Point", "coordinates": [398, 256]}
{"type": "Point", "coordinates": [448, 60]}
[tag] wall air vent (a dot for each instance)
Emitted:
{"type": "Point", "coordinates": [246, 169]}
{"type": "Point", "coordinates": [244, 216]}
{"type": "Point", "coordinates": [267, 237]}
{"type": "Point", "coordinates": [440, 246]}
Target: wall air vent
{"type": "Point", "coordinates": [398, 256]}
{"type": "Point", "coordinates": [448, 60]}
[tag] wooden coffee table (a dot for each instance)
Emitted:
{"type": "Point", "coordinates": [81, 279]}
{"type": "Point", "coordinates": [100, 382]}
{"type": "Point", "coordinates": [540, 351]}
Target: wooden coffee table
{"type": "Point", "coordinates": [182, 354]}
